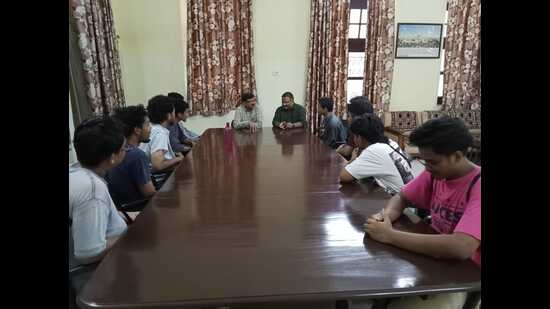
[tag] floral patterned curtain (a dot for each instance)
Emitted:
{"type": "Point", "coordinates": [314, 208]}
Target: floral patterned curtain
{"type": "Point", "coordinates": [328, 57]}
{"type": "Point", "coordinates": [219, 54]}
{"type": "Point", "coordinates": [379, 55]}
{"type": "Point", "coordinates": [462, 73]}
{"type": "Point", "coordinates": [97, 40]}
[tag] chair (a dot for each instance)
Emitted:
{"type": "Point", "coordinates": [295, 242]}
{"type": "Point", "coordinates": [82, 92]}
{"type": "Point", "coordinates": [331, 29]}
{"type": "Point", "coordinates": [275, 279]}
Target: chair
{"type": "Point", "coordinates": [79, 274]}
{"type": "Point", "coordinates": [160, 177]}
{"type": "Point", "coordinates": [399, 125]}
{"type": "Point", "coordinates": [474, 152]}
{"type": "Point", "coordinates": [78, 277]}
{"type": "Point", "coordinates": [471, 118]}
{"type": "Point", "coordinates": [429, 115]}
{"type": "Point", "coordinates": [472, 300]}
{"type": "Point", "coordinates": [132, 207]}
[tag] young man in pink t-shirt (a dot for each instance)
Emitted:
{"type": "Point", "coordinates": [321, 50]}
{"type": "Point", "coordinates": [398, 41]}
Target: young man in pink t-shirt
{"type": "Point", "coordinates": [450, 188]}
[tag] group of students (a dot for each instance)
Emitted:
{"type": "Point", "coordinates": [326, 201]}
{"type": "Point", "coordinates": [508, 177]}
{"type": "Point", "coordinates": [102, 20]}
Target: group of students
{"type": "Point", "coordinates": [449, 188]}
{"type": "Point", "coordinates": [117, 155]}
{"type": "Point", "coordinates": [156, 141]}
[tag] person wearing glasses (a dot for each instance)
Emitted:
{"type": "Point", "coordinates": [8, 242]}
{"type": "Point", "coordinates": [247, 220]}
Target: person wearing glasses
{"type": "Point", "coordinates": [94, 222]}
{"type": "Point", "coordinates": [450, 188]}
{"type": "Point", "coordinates": [376, 156]}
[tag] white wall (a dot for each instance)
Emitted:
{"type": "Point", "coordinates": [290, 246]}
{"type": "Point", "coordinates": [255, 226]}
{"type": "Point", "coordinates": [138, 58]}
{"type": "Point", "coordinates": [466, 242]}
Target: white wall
{"type": "Point", "coordinates": [150, 46]}
{"type": "Point", "coordinates": [415, 81]}
{"type": "Point", "coordinates": [153, 52]}
{"type": "Point", "coordinates": [281, 39]}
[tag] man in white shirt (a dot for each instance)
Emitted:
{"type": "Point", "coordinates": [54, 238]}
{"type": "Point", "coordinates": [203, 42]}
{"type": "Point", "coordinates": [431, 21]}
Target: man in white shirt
{"type": "Point", "coordinates": [162, 115]}
{"type": "Point", "coordinates": [95, 224]}
{"type": "Point", "coordinates": [248, 114]}
{"type": "Point", "coordinates": [376, 156]}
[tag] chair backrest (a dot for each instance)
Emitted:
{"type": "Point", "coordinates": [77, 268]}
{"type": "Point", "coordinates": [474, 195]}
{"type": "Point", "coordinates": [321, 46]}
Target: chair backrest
{"type": "Point", "coordinates": [429, 115]}
{"type": "Point", "coordinates": [474, 155]}
{"type": "Point", "coordinates": [402, 120]}
{"type": "Point", "coordinates": [134, 205]}
{"type": "Point", "coordinates": [471, 118]}
{"type": "Point", "coordinates": [159, 177]}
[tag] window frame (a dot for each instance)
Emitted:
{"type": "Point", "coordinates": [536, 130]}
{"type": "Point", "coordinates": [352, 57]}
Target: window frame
{"type": "Point", "coordinates": [441, 72]}
{"type": "Point", "coordinates": [358, 45]}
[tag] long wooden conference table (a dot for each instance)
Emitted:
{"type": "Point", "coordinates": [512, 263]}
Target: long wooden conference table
{"type": "Point", "coordinates": [261, 218]}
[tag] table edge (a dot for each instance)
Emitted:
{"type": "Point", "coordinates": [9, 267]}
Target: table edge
{"type": "Point", "coordinates": [314, 296]}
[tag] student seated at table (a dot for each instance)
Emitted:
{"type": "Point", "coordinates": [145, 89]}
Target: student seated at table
{"type": "Point", "coordinates": [161, 114]}
{"type": "Point", "coordinates": [95, 223]}
{"type": "Point", "coordinates": [333, 133]}
{"type": "Point", "coordinates": [289, 115]}
{"type": "Point", "coordinates": [450, 188]}
{"type": "Point", "coordinates": [376, 156]}
{"type": "Point", "coordinates": [178, 140]}
{"type": "Point", "coordinates": [131, 180]}
{"type": "Point", "coordinates": [248, 114]}
{"type": "Point", "coordinates": [357, 107]}
{"type": "Point", "coordinates": [190, 135]}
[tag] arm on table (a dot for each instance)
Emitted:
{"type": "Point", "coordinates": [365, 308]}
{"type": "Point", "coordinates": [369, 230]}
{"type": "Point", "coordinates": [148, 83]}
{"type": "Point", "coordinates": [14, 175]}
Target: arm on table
{"type": "Point", "coordinates": [457, 245]}
{"type": "Point", "coordinates": [159, 163]}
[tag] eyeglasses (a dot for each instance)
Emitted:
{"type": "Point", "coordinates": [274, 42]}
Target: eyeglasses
{"type": "Point", "coordinates": [423, 162]}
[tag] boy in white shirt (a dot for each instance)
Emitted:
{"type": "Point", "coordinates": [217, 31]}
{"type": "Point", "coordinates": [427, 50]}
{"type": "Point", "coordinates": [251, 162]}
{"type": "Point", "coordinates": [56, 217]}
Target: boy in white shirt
{"type": "Point", "coordinates": [161, 114]}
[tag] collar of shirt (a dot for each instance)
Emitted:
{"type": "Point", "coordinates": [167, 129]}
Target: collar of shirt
{"type": "Point", "coordinates": [77, 166]}
{"type": "Point", "coordinates": [159, 127]}
{"type": "Point", "coordinates": [130, 147]}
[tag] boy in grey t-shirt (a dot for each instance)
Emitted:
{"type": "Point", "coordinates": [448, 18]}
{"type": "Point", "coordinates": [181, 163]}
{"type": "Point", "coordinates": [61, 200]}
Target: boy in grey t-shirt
{"type": "Point", "coordinates": [95, 224]}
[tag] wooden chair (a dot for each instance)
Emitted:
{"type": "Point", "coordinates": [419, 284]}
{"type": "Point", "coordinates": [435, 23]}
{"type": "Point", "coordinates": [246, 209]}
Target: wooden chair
{"type": "Point", "coordinates": [134, 206]}
{"type": "Point", "coordinates": [398, 126]}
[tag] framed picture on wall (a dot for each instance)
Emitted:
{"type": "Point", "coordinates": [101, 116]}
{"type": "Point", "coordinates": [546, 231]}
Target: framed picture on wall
{"type": "Point", "coordinates": [416, 40]}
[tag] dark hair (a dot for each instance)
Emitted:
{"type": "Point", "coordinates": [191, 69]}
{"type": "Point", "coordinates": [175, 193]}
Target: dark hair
{"type": "Point", "coordinates": [130, 117]}
{"type": "Point", "coordinates": [288, 94]}
{"type": "Point", "coordinates": [370, 127]}
{"type": "Point", "coordinates": [247, 96]}
{"type": "Point", "coordinates": [180, 106]}
{"type": "Point", "coordinates": [360, 105]}
{"type": "Point", "coordinates": [327, 103]}
{"type": "Point", "coordinates": [444, 135]}
{"type": "Point", "coordinates": [96, 139]}
{"type": "Point", "coordinates": [176, 95]}
{"type": "Point", "coordinates": [159, 107]}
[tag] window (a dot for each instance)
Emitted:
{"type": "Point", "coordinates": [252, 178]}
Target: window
{"type": "Point", "coordinates": [442, 68]}
{"type": "Point", "coordinates": [357, 35]}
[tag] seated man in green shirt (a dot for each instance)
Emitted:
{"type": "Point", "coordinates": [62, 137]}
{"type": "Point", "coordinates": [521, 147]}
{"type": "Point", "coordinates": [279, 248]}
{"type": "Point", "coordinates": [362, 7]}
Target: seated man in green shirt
{"type": "Point", "coordinates": [290, 115]}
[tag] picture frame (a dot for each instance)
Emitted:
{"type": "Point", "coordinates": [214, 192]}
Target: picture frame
{"type": "Point", "coordinates": [418, 41]}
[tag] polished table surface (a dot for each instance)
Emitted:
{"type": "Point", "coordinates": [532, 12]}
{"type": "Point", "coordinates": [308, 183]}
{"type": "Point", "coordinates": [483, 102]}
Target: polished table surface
{"type": "Point", "coordinates": [262, 218]}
